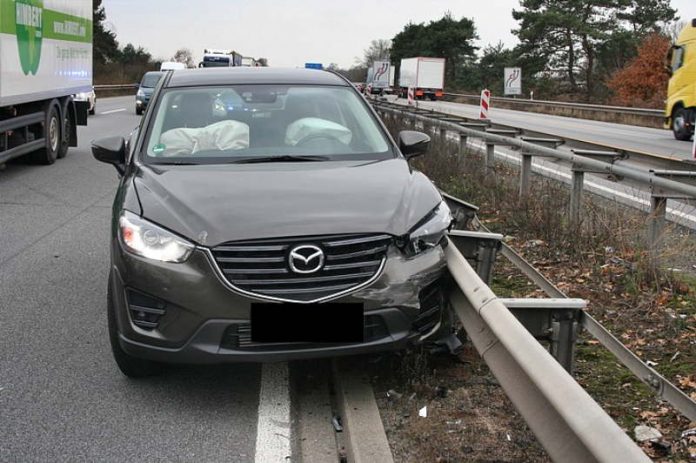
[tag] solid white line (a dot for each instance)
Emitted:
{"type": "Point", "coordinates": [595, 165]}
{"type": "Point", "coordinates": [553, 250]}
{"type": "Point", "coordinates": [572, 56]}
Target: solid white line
{"type": "Point", "coordinates": [273, 428]}
{"type": "Point", "coordinates": [120, 110]}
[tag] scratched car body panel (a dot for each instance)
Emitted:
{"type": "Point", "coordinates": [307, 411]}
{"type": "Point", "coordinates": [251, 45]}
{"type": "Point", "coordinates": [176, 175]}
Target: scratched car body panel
{"type": "Point", "coordinates": [250, 186]}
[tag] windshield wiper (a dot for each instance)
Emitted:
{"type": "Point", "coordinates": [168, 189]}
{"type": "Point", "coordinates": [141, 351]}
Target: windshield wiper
{"type": "Point", "coordinates": [281, 158]}
{"type": "Point", "coordinates": [177, 163]}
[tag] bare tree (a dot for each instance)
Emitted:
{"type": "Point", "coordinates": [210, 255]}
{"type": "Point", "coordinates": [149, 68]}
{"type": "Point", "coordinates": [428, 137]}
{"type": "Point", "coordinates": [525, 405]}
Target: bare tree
{"type": "Point", "coordinates": [184, 55]}
{"type": "Point", "coordinates": [378, 50]}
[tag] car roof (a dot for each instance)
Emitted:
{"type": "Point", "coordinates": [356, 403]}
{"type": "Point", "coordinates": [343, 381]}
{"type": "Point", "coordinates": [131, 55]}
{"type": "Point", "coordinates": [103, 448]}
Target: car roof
{"type": "Point", "coordinates": [253, 75]}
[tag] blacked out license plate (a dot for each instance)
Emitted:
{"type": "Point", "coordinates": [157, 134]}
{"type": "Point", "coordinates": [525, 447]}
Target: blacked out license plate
{"type": "Point", "coordinates": [319, 323]}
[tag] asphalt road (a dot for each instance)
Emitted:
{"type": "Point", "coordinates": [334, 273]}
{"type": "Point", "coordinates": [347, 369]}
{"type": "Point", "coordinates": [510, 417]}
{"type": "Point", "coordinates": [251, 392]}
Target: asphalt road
{"type": "Point", "coordinates": [642, 139]}
{"type": "Point", "coordinates": [61, 396]}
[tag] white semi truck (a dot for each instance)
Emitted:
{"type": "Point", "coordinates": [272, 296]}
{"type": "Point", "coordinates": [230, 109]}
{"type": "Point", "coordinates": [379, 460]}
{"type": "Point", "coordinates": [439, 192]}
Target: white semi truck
{"type": "Point", "coordinates": [45, 59]}
{"type": "Point", "coordinates": [425, 75]}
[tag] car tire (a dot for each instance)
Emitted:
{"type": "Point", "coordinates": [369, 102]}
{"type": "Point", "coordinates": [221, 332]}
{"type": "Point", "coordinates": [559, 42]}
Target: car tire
{"type": "Point", "coordinates": [680, 117]}
{"type": "Point", "coordinates": [53, 133]}
{"type": "Point", "coordinates": [138, 111]}
{"type": "Point", "coordinates": [130, 366]}
{"type": "Point", "coordinates": [93, 111]}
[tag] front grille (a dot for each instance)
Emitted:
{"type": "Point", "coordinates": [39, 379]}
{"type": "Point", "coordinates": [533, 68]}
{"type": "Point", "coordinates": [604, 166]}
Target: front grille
{"type": "Point", "coordinates": [238, 336]}
{"type": "Point", "coordinates": [261, 267]}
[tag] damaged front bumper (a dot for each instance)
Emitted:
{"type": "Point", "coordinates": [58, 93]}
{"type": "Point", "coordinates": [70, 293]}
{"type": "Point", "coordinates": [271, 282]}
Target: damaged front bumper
{"type": "Point", "coordinates": [184, 313]}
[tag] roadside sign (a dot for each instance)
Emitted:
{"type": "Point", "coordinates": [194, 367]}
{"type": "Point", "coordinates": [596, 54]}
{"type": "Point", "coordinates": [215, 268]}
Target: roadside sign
{"type": "Point", "coordinates": [513, 81]}
{"type": "Point", "coordinates": [313, 66]}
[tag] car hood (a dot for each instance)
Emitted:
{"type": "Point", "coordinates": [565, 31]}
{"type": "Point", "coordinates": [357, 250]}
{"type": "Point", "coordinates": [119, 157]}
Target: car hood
{"type": "Point", "coordinates": [213, 204]}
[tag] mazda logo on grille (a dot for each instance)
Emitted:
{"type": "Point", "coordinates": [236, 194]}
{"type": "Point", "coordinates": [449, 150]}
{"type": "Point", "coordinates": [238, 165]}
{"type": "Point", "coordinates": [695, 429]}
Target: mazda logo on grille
{"type": "Point", "coordinates": [306, 259]}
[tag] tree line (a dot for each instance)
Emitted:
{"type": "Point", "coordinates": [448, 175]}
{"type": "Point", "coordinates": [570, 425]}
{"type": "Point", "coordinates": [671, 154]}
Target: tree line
{"type": "Point", "coordinates": [607, 51]}
{"type": "Point", "coordinates": [114, 63]}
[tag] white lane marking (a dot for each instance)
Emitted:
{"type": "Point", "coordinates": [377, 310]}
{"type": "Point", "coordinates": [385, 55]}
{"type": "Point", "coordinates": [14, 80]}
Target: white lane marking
{"type": "Point", "coordinates": [273, 427]}
{"type": "Point", "coordinates": [120, 110]}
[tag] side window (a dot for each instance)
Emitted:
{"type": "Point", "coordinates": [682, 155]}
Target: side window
{"type": "Point", "coordinates": [677, 57]}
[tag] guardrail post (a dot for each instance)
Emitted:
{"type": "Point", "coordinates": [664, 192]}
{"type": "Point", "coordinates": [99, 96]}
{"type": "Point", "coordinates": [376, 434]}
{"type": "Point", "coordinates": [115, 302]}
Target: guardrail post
{"type": "Point", "coordinates": [490, 157]}
{"type": "Point", "coordinates": [462, 144]}
{"type": "Point", "coordinates": [564, 334]}
{"type": "Point", "coordinates": [576, 195]}
{"type": "Point", "coordinates": [656, 226]}
{"type": "Point", "coordinates": [525, 174]}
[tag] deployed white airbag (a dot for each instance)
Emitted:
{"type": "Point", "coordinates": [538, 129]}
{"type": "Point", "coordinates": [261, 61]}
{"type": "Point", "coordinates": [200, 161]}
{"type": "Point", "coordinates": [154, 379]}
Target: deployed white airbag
{"type": "Point", "coordinates": [315, 127]}
{"type": "Point", "coordinates": [223, 136]}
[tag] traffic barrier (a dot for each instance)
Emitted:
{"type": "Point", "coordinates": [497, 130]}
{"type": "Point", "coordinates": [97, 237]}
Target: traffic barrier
{"type": "Point", "coordinates": [644, 117]}
{"type": "Point", "coordinates": [485, 104]}
{"type": "Point", "coordinates": [661, 183]}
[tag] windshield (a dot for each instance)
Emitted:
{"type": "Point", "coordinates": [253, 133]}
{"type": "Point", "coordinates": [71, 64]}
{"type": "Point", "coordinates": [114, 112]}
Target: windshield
{"type": "Point", "coordinates": [263, 123]}
{"type": "Point", "coordinates": [150, 79]}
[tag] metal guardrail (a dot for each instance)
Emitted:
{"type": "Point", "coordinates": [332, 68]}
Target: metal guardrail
{"type": "Point", "coordinates": [567, 105]}
{"type": "Point", "coordinates": [116, 87]}
{"type": "Point", "coordinates": [569, 424]}
{"type": "Point", "coordinates": [582, 161]}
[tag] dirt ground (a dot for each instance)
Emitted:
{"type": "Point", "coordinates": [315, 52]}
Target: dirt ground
{"type": "Point", "coordinates": [469, 418]}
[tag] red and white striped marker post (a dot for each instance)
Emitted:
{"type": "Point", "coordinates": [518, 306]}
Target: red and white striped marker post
{"type": "Point", "coordinates": [411, 96]}
{"type": "Point", "coordinates": [485, 103]}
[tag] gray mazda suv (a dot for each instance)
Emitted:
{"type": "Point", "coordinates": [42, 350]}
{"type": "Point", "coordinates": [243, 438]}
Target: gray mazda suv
{"type": "Point", "coordinates": [266, 214]}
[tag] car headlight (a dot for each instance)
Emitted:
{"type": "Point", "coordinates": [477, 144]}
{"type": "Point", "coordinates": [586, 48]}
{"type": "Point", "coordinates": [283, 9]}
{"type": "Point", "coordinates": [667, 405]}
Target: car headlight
{"type": "Point", "coordinates": [140, 93]}
{"type": "Point", "coordinates": [148, 240]}
{"type": "Point", "coordinates": [431, 230]}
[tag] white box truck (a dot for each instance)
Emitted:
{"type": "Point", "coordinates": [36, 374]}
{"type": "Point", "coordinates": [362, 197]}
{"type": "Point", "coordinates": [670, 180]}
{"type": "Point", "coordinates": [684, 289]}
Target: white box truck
{"type": "Point", "coordinates": [45, 59]}
{"type": "Point", "coordinates": [425, 75]}
{"type": "Point", "coordinates": [379, 77]}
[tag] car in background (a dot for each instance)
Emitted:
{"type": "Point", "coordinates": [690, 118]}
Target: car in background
{"type": "Point", "coordinates": [89, 97]}
{"type": "Point", "coordinates": [145, 90]}
{"type": "Point", "coordinates": [172, 66]}
{"type": "Point", "coordinates": [267, 214]}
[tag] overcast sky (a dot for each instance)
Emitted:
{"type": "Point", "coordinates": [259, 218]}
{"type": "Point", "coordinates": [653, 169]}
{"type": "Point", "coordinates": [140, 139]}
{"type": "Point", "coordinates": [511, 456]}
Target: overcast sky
{"type": "Point", "coordinates": [290, 33]}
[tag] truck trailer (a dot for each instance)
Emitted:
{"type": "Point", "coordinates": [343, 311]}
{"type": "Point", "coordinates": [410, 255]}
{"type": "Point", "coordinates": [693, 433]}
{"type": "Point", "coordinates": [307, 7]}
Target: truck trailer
{"type": "Point", "coordinates": [213, 58]}
{"type": "Point", "coordinates": [680, 110]}
{"type": "Point", "coordinates": [425, 75]}
{"type": "Point", "coordinates": [45, 59]}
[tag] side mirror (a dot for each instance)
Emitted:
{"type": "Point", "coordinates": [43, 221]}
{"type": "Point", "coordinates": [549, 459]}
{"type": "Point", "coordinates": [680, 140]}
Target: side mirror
{"type": "Point", "coordinates": [413, 143]}
{"type": "Point", "coordinates": [111, 150]}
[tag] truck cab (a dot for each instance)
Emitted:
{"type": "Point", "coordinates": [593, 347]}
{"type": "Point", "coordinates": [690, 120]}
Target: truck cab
{"type": "Point", "coordinates": [680, 110]}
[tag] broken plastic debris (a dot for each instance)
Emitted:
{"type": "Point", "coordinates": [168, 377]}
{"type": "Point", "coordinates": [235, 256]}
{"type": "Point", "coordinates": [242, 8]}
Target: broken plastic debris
{"type": "Point", "coordinates": [336, 421]}
{"type": "Point", "coordinates": [392, 394]}
{"type": "Point", "coordinates": [423, 412]}
{"type": "Point", "coordinates": [646, 433]}
{"type": "Point", "coordinates": [508, 437]}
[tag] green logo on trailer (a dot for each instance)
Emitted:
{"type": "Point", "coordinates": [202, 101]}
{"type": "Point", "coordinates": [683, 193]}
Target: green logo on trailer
{"type": "Point", "coordinates": [29, 20]}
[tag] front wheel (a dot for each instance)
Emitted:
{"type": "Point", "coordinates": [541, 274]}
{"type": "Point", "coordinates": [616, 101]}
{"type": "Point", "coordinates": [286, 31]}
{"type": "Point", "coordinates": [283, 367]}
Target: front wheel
{"type": "Point", "coordinates": [680, 124]}
{"type": "Point", "coordinates": [130, 366]}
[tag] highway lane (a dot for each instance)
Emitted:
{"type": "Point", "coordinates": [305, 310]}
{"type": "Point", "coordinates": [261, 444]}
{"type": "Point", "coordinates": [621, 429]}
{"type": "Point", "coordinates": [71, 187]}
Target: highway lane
{"type": "Point", "coordinates": [642, 139]}
{"type": "Point", "coordinates": [61, 395]}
